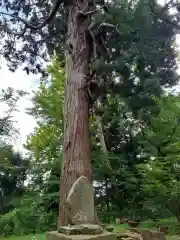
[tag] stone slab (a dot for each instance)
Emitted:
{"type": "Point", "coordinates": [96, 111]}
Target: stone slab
{"type": "Point", "coordinates": [80, 202]}
{"type": "Point", "coordinates": [84, 229]}
{"type": "Point", "coordinates": [55, 235]}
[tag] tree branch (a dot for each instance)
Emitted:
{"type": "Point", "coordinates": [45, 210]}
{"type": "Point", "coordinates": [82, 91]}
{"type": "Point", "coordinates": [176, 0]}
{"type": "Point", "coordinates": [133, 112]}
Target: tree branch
{"type": "Point", "coordinates": [90, 13]}
{"type": "Point", "coordinates": [168, 21]}
{"type": "Point", "coordinates": [172, 133]}
{"type": "Point", "coordinates": [110, 26]}
{"type": "Point", "coordinates": [41, 25]}
{"type": "Point", "coordinates": [166, 6]}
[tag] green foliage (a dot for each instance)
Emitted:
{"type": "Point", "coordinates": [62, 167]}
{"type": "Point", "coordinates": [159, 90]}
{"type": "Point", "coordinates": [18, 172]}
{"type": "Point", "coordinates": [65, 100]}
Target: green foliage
{"type": "Point", "coordinates": [35, 208]}
{"type": "Point", "coordinates": [153, 225]}
{"type": "Point", "coordinates": [128, 140]}
{"type": "Point", "coordinates": [12, 177]}
{"type": "Point", "coordinates": [138, 121]}
{"type": "Point", "coordinates": [28, 217]}
{"type": "Point", "coordinates": [9, 99]}
{"type": "Point", "coordinates": [161, 174]}
{"type": "Point", "coordinates": [38, 207]}
{"type": "Point", "coordinates": [48, 111]}
{"type": "Point", "coordinates": [26, 237]}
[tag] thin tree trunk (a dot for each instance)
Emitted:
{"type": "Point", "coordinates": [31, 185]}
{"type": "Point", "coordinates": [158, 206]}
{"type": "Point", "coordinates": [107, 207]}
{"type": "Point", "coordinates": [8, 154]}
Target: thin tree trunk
{"type": "Point", "coordinates": [77, 153]}
{"type": "Point", "coordinates": [102, 140]}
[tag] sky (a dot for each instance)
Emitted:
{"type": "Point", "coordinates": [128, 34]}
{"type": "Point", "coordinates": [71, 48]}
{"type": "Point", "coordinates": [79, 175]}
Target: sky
{"type": "Point", "coordinates": [21, 81]}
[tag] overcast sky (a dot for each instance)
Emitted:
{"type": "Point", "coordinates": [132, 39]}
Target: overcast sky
{"type": "Point", "coordinates": [21, 81]}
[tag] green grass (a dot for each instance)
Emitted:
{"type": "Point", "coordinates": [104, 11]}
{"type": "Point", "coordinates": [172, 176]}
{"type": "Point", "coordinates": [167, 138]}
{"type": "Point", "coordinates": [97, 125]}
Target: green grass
{"type": "Point", "coordinates": [41, 237]}
{"type": "Point", "coordinates": [173, 237]}
{"type": "Point", "coordinates": [149, 224]}
{"type": "Point", "coordinates": [27, 237]}
{"type": "Point", "coordinates": [170, 222]}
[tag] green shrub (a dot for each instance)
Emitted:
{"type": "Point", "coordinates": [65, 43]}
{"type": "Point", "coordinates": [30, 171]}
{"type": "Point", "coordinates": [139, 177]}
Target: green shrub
{"type": "Point", "coordinates": [23, 221]}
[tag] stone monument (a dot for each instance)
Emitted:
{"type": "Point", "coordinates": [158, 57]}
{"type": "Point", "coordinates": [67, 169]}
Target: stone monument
{"type": "Point", "coordinates": [81, 216]}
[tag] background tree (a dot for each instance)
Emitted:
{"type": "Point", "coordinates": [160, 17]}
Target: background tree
{"type": "Point", "coordinates": [161, 173]}
{"type": "Point", "coordinates": [13, 166]}
{"type": "Point", "coordinates": [45, 145]}
{"type": "Point", "coordinates": [12, 177]}
{"type": "Point", "coordinates": [8, 100]}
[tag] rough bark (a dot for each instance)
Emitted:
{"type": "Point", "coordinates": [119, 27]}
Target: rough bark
{"type": "Point", "coordinates": [77, 153]}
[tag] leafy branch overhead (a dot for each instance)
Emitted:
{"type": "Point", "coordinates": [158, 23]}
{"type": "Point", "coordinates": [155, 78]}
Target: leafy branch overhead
{"type": "Point", "coordinates": [40, 25]}
{"type": "Point", "coordinates": [41, 29]}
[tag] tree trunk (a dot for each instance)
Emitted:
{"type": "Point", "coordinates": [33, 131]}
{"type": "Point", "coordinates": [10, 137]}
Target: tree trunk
{"type": "Point", "coordinates": [77, 153]}
{"type": "Point", "coordinates": [102, 140]}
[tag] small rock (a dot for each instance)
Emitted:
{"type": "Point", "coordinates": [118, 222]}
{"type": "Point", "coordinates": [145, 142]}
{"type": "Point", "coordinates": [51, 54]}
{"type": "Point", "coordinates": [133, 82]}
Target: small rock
{"type": "Point", "coordinates": [129, 235]}
{"type": "Point", "coordinates": [133, 223]}
{"type": "Point", "coordinates": [109, 229]}
{"type": "Point", "coordinates": [135, 230]}
{"type": "Point", "coordinates": [123, 220]}
{"type": "Point", "coordinates": [163, 229]}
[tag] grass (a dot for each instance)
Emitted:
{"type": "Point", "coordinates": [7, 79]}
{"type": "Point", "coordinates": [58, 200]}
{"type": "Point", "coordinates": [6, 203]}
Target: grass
{"type": "Point", "coordinates": [170, 222]}
{"type": "Point", "coordinates": [41, 237]}
{"type": "Point", "coordinates": [173, 237]}
{"type": "Point", "coordinates": [27, 237]}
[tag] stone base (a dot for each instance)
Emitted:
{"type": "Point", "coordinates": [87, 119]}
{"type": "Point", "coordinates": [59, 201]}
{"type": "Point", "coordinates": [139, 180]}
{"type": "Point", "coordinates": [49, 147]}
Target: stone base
{"type": "Point", "coordinates": [83, 229]}
{"type": "Point", "coordinates": [55, 235]}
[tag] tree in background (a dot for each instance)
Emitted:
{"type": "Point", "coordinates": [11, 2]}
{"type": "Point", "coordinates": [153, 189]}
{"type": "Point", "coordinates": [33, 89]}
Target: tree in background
{"type": "Point", "coordinates": [9, 99]}
{"type": "Point", "coordinates": [12, 177]}
{"type": "Point", "coordinates": [45, 145]}
{"type": "Point", "coordinates": [13, 167]}
{"type": "Point", "coordinates": [161, 173]}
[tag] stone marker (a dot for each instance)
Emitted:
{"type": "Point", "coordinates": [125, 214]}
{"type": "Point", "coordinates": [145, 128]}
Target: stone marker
{"type": "Point", "coordinates": [81, 216]}
{"type": "Point", "coordinates": [80, 202]}
{"type": "Point", "coordinates": [152, 235]}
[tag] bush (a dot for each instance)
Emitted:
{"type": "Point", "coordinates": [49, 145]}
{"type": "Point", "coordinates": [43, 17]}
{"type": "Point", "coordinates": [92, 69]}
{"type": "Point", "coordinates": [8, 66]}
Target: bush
{"type": "Point", "coordinates": [23, 221]}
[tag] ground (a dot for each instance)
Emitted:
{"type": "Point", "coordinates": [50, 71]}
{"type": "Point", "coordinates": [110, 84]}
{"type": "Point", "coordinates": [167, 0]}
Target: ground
{"type": "Point", "coordinates": [118, 228]}
{"type": "Point", "coordinates": [41, 237]}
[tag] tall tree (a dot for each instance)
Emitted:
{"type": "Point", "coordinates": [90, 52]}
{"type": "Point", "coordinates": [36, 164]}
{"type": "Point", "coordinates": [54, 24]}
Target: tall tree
{"type": "Point", "coordinates": [83, 39]}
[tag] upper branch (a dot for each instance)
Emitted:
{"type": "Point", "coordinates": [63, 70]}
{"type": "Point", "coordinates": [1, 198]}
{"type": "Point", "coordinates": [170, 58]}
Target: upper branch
{"type": "Point", "coordinates": [167, 6]}
{"type": "Point", "coordinates": [41, 25]}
